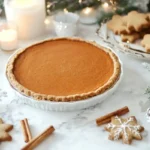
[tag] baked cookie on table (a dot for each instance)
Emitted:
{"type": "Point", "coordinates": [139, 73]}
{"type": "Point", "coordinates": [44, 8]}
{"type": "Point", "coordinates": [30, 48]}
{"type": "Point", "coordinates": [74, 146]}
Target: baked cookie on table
{"type": "Point", "coordinates": [4, 128]}
{"type": "Point", "coordinates": [127, 129]}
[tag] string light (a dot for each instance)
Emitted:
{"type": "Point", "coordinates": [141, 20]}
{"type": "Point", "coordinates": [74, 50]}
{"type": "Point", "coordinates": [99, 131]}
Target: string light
{"type": "Point", "coordinates": [48, 11]}
{"type": "Point", "coordinates": [105, 5]}
{"type": "Point", "coordinates": [80, 1]}
{"type": "Point", "coordinates": [49, 4]}
{"type": "Point", "coordinates": [65, 10]}
{"type": "Point", "coordinates": [113, 2]}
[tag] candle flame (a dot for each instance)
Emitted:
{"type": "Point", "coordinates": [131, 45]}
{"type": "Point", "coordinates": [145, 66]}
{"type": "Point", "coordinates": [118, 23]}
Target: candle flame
{"type": "Point", "coordinates": [8, 35]}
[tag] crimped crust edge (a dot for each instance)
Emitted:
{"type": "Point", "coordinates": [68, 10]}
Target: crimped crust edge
{"type": "Point", "coordinates": [70, 98]}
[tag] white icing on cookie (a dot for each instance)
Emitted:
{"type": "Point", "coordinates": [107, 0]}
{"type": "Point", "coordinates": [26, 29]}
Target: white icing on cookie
{"type": "Point", "coordinates": [124, 128]}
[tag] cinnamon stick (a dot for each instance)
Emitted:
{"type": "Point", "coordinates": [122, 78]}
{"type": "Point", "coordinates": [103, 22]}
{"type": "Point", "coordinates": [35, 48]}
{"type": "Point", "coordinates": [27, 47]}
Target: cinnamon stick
{"type": "Point", "coordinates": [28, 129]}
{"type": "Point", "coordinates": [107, 118]}
{"type": "Point", "coordinates": [104, 121]}
{"type": "Point", "coordinates": [24, 131]}
{"type": "Point", "coordinates": [36, 141]}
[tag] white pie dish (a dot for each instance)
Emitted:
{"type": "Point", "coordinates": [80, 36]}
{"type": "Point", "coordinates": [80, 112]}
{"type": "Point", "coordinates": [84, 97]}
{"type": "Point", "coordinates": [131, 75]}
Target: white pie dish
{"type": "Point", "coordinates": [66, 106]}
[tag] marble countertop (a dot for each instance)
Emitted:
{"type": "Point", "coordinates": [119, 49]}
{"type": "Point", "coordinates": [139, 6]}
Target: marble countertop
{"type": "Point", "coordinates": [77, 130]}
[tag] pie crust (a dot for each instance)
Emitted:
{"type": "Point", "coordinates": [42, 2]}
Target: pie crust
{"type": "Point", "coordinates": [75, 97]}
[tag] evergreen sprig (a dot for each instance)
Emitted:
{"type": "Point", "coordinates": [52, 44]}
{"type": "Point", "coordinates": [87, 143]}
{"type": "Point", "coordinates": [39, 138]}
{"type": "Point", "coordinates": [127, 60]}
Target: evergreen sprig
{"type": "Point", "coordinates": [1, 3]}
{"type": "Point", "coordinates": [72, 5]}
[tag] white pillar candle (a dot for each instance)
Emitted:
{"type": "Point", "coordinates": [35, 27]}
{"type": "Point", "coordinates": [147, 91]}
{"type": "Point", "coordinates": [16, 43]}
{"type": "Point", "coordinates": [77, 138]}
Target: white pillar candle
{"type": "Point", "coordinates": [88, 15]}
{"type": "Point", "coordinates": [8, 39]}
{"type": "Point", "coordinates": [28, 15]}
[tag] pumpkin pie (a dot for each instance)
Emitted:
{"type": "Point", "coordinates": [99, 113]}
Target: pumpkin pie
{"type": "Point", "coordinates": [63, 69]}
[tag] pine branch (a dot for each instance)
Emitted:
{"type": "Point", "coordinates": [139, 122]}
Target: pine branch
{"type": "Point", "coordinates": [1, 3]}
{"type": "Point", "coordinates": [72, 5]}
{"type": "Point", "coordinates": [119, 11]}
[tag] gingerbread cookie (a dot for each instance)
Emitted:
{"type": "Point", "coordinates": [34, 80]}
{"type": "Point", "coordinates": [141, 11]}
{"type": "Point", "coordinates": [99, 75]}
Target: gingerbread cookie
{"type": "Point", "coordinates": [130, 37]}
{"type": "Point", "coordinates": [4, 128]}
{"type": "Point", "coordinates": [127, 129]}
{"type": "Point", "coordinates": [146, 42]}
{"type": "Point", "coordinates": [136, 21]}
{"type": "Point", "coordinates": [117, 25]}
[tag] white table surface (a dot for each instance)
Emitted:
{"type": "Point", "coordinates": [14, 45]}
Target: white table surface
{"type": "Point", "coordinates": [77, 130]}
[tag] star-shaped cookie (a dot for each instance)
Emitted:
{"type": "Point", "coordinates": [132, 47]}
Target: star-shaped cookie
{"type": "Point", "coordinates": [117, 25]}
{"type": "Point", "coordinates": [127, 129]}
{"type": "Point", "coordinates": [136, 21]}
{"type": "Point", "coordinates": [4, 128]}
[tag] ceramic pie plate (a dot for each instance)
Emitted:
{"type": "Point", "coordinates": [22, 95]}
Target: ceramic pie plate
{"type": "Point", "coordinates": [66, 106]}
{"type": "Point", "coordinates": [114, 41]}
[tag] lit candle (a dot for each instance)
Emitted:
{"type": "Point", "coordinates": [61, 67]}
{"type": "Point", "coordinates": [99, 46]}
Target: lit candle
{"type": "Point", "coordinates": [28, 15]}
{"type": "Point", "coordinates": [8, 39]}
{"type": "Point", "coordinates": [88, 15]}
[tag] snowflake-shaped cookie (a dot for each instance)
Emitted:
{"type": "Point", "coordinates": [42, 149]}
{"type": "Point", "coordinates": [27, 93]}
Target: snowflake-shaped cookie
{"type": "Point", "coordinates": [127, 129]}
{"type": "Point", "coordinates": [4, 128]}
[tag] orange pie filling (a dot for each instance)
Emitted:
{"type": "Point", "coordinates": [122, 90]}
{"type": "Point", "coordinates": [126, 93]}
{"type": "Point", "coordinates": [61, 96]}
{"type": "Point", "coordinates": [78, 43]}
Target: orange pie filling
{"type": "Point", "coordinates": [64, 67]}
